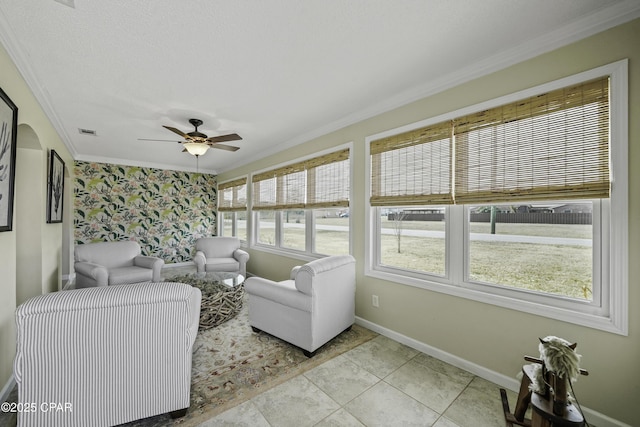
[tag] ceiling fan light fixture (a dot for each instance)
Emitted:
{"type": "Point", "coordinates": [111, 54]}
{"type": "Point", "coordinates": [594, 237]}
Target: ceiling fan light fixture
{"type": "Point", "coordinates": [196, 148]}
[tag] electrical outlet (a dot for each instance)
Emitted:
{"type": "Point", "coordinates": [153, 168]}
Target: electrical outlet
{"type": "Point", "coordinates": [375, 301]}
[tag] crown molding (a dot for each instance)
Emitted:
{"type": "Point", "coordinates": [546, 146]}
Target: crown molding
{"type": "Point", "coordinates": [125, 162]}
{"type": "Point", "coordinates": [12, 46]}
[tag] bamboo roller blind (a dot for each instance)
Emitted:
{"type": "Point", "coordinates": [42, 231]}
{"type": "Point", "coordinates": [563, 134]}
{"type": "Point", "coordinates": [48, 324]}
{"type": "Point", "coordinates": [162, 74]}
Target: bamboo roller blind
{"type": "Point", "coordinates": [551, 146]}
{"type": "Point", "coordinates": [320, 182]}
{"type": "Point", "coordinates": [412, 168]}
{"type": "Point", "coordinates": [232, 195]}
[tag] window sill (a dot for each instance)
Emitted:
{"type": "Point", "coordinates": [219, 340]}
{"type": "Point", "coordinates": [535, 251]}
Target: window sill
{"type": "Point", "coordinates": [290, 253]}
{"type": "Point", "coordinates": [570, 315]}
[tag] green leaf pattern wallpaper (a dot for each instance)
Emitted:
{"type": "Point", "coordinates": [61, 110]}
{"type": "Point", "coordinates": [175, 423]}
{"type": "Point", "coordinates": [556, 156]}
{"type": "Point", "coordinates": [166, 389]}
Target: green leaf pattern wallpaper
{"type": "Point", "coordinates": [164, 211]}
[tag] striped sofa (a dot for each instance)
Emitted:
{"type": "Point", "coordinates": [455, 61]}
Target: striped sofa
{"type": "Point", "coordinates": [107, 355]}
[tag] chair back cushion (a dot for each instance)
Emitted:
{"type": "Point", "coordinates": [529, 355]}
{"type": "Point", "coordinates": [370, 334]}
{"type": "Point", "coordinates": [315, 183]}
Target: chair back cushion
{"type": "Point", "coordinates": [218, 247]}
{"type": "Point", "coordinates": [337, 268]}
{"type": "Point", "coordinates": [108, 254]}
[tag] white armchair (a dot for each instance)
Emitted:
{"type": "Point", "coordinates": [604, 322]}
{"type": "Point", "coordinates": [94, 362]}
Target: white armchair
{"type": "Point", "coordinates": [114, 263]}
{"type": "Point", "coordinates": [108, 355]}
{"type": "Point", "coordinates": [316, 304]}
{"type": "Point", "coordinates": [220, 254]}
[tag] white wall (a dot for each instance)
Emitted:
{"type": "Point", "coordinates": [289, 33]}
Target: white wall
{"type": "Point", "coordinates": [28, 224]}
{"type": "Point", "coordinates": [36, 136]}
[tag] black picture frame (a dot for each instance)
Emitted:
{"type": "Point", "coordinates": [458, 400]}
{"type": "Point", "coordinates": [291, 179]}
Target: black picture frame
{"type": "Point", "coordinates": [55, 188]}
{"type": "Point", "coordinates": [8, 146]}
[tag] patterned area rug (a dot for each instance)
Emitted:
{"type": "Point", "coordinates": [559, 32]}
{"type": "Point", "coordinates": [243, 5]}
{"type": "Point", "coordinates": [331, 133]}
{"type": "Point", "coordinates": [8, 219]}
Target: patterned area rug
{"type": "Point", "coordinates": [232, 364]}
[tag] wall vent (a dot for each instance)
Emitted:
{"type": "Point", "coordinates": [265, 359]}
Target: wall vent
{"type": "Point", "coordinates": [87, 131]}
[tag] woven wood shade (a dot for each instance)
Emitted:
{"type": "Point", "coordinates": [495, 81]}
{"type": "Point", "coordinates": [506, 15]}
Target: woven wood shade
{"type": "Point", "coordinates": [232, 195]}
{"type": "Point", "coordinates": [412, 168]}
{"type": "Point", "coordinates": [551, 146]}
{"type": "Point", "coordinates": [315, 183]}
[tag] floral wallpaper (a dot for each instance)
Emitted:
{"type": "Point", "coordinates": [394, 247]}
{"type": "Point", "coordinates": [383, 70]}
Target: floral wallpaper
{"type": "Point", "coordinates": [163, 210]}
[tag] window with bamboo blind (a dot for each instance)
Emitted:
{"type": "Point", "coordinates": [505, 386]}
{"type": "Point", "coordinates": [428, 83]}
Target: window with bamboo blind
{"type": "Point", "coordinates": [232, 195]}
{"type": "Point", "coordinates": [310, 184]}
{"type": "Point", "coordinates": [412, 168]}
{"type": "Point", "coordinates": [467, 203]}
{"type": "Point", "coordinates": [551, 146]}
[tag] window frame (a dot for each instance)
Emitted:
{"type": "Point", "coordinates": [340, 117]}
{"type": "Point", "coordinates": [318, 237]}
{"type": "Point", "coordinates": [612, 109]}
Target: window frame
{"type": "Point", "coordinates": [234, 224]}
{"type": "Point", "coordinates": [234, 212]}
{"type": "Point", "coordinates": [612, 223]}
{"type": "Point", "coordinates": [310, 222]}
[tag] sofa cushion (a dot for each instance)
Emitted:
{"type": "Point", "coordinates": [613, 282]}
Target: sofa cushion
{"type": "Point", "coordinates": [118, 276]}
{"type": "Point", "coordinates": [222, 264]}
{"type": "Point", "coordinates": [108, 254]}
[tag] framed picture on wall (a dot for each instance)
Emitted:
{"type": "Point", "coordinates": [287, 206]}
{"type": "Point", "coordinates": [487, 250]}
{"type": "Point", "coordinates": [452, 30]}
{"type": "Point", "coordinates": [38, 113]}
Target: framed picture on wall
{"type": "Point", "coordinates": [8, 141]}
{"type": "Point", "coordinates": [55, 188]}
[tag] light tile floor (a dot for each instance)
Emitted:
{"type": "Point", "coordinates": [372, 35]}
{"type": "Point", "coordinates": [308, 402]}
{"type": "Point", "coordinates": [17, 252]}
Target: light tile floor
{"type": "Point", "coordinates": [379, 383]}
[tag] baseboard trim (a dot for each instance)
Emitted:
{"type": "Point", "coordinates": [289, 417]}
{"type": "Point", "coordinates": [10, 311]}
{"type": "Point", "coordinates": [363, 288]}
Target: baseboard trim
{"type": "Point", "coordinates": [593, 417]}
{"type": "Point", "coordinates": [70, 282]}
{"type": "Point", "coordinates": [6, 390]}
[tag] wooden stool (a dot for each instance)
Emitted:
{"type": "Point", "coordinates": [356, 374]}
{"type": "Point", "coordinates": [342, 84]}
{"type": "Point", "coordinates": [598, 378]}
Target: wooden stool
{"type": "Point", "coordinates": [546, 411]}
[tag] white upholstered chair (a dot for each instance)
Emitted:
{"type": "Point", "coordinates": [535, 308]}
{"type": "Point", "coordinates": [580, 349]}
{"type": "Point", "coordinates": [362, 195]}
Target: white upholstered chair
{"type": "Point", "coordinates": [113, 354]}
{"type": "Point", "coordinates": [316, 304]}
{"type": "Point", "coordinates": [220, 254]}
{"type": "Point", "coordinates": [114, 263]}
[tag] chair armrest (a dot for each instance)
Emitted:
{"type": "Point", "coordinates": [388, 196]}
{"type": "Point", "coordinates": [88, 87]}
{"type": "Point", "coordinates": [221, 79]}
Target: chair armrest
{"type": "Point", "coordinates": [194, 303]}
{"type": "Point", "coordinates": [294, 271]}
{"type": "Point", "coordinates": [151, 262]}
{"type": "Point", "coordinates": [241, 255]}
{"type": "Point", "coordinates": [200, 260]}
{"type": "Point", "coordinates": [148, 261]}
{"type": "Point", "coordinates": [284, 293]}
{"type": "Point", "coordinates": [97, 272]}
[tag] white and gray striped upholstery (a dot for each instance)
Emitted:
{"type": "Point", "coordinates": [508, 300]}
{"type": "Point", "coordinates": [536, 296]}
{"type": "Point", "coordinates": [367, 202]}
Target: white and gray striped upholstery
{"type": "Point", "coordinates": [115, 354]}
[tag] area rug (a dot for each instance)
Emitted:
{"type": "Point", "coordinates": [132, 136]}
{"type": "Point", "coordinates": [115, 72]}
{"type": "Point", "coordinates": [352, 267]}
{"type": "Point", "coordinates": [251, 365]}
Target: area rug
{"type": "Point", "coordinates": [232, 364]}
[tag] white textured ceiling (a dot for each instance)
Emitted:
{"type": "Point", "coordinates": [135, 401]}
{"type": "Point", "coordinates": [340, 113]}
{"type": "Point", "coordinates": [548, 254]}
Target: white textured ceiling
{"type": "Point", "coordinates": [277, 72]}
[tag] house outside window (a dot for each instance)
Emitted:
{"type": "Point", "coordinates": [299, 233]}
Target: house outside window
{"type": "Point", "coordinates": [519, 202]}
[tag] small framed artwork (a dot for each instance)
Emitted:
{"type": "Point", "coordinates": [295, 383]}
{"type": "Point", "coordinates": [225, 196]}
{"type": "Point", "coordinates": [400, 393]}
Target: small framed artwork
{"type": "Point", "coordinates": [8, 141]}
{"type": "Point", "coordinates": [55, 188]}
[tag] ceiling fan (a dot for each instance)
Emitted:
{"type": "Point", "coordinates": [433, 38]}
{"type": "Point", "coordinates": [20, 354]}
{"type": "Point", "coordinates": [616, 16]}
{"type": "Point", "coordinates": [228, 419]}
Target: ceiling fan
{"type": "Point", "coordinates": [197, 143]}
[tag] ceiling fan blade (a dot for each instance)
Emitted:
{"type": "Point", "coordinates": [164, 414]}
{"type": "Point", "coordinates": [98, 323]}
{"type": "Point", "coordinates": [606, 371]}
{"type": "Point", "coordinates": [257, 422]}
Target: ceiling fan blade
{"type": "Point", "coordinates": [224, 147]}
{"type": "Point", "coordinates": [178, 131]}
{"type": "Point", "coordinates": [225, 138]}
{"type": "Point", "coordinates": [160, 140]}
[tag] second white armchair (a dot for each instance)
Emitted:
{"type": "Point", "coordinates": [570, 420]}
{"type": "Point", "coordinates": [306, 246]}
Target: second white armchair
{"type": "Point", "coordinates": [220, 254]}
{"type": "Point", "coordinates": [311, 308]}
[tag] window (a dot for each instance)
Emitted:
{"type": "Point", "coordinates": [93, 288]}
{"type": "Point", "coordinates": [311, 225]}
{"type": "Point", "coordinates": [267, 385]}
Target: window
{"type": "Point", "coordinates": [293, 229]}
{"type": "Point", "coordinates": [232, 208]}
{"type": "Point", "coordinates": [304, 206]}
{"type": "Point", "coordinates": [412, 238]}
{"type": "Point", "coordinates": [265, 227]}
{"type": "Point", "coordinates": [534, 246]}
{"type": "Point", "coordinates": [519, 202]}
{"type": "Point", "coordinates": [331, 231]}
